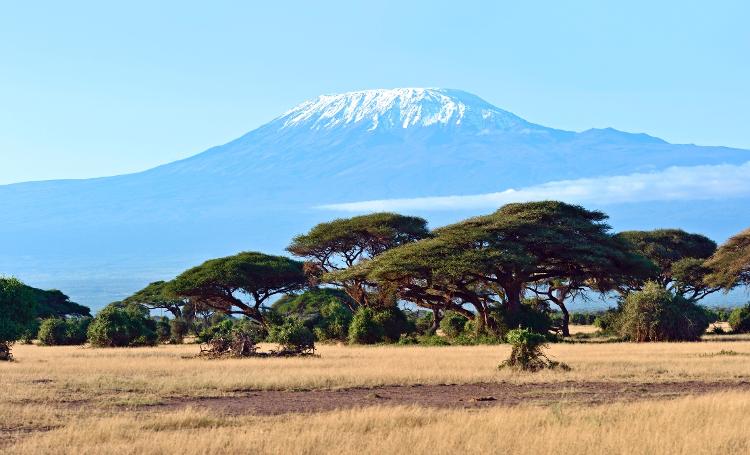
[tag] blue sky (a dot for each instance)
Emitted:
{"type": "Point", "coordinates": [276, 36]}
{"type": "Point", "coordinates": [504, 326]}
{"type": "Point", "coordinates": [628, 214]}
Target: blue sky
{"type": "Point", "coordinates": [91, 88]}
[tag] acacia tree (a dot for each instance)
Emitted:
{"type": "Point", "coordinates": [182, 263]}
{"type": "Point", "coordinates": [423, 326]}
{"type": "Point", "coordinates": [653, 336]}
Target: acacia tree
{"type": "Point", "coordinates": [431, 273]}
{"type": "Point", "coordinates": [17, 312]}
{"type": "Point", "coordinates": [340, 244]}
{"type": "Point", "coordinates": [219, 283]}
{"type": "Point", "coordinates": [678, 258]}
{"type": "Point", "coordinates": [730, 265]}
{"type": "Point", "coordinates": [158, 295]}
{"type": "Point", "coordinates": [491, 261]}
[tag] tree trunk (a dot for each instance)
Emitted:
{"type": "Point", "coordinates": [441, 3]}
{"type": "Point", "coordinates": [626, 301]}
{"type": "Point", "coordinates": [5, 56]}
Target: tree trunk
{"type": "Point", "coordinates": [513, 295]}
{"type": "Point", "coordinates": [436, 318]}
{"type": "Point", "coordinates": [565, 319]}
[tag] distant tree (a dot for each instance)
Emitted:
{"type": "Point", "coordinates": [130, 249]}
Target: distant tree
{"type": "Point", "coordinates": [342, 243]}
{"type": "Point", "coordinates": [730, 265]}
{"type": "Point", "coordinates": [219, 283]}
{"type": "Point", "coordinates": [324, 310]}
{"type": "Point", "coordinates": [55, 304]}
{"type": "Point", "coordinates": [17, 312]}
{"type": "Point", "coordinates": [679, 260]}
{"type": "Point", "coordinates": [158, 295]}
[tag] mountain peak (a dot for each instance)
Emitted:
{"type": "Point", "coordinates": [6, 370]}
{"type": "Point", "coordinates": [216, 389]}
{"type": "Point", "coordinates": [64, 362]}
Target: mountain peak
{"type": "Point", "coordinates": [399, 108]}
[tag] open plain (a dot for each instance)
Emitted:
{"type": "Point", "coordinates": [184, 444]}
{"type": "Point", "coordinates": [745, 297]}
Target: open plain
{"type": "Point", "coordinates": [371, 399]}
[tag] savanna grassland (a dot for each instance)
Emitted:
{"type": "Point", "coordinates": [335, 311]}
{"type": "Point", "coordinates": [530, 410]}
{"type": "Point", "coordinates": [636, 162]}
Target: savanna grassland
{"type": "Point", "coordinates": [617, 398]}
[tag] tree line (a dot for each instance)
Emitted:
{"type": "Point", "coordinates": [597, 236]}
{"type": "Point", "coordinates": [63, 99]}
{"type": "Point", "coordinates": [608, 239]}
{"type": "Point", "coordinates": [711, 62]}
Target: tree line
{"type": "Point", "coordinates": [489, 273]}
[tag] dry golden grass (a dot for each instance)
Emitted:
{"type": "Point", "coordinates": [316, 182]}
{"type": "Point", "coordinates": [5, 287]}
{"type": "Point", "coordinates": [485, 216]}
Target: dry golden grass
{"type": "Point", "coordinates": [140, 376]}
{"type": "Point", "coordinates": [709, 424]}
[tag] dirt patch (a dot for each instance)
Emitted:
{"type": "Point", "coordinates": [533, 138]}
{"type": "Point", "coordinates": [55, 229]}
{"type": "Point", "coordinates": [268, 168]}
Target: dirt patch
{"type": "Point", "coordinates": [469, 396]}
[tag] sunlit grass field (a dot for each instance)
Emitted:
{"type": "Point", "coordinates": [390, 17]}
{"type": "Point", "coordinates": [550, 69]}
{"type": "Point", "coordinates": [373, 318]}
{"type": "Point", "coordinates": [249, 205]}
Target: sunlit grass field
{"type": "Point", "coordinates": [84, 400]}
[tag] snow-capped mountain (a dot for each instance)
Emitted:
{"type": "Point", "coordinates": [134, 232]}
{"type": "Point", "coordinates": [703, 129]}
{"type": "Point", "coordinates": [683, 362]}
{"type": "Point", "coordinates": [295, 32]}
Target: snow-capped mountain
{"type": "Point", "coordinates": [401, 108]}
{"type": "Point", "coordinates": [102, 238]}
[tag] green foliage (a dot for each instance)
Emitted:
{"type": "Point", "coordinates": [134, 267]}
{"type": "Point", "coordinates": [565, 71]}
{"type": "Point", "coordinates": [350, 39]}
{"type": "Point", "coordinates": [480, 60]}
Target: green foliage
{"type": "Point", "coordinates": [17, 313]}
{"type": "Point", "coordinates": [655, 314]}
{"type": "Point", "coordinates": [333, 248]}
{"type": "Point", "coordinates": [730, 265]}
{"type": "Point", "coordinates": [453, 324]}
{"type": "Point", "coordinates": [526, 353]}
{"type": "Point", "coordinates": [158, 295]}
{"type": "Point", "coordinates": [739, 319]}
{"type": "Point", "coordinates": [119, 325]}
{"type": "Point", "coordinates": [293, 337]}
{"type": "Point", "coordinates": [162, 329]}
{"type": "Point", "coordinates": [364, 328]}
{"type": "Point", "coordinates": [608, 322]}
{"type": "Point", "coordinates": [324, 310]}
{"type": "Point", "coordinates": [178, 329]}
{"type": "Point", "coordinates": [217, 282]}
{"type": "Point", "coordinates": [678, 258]}
{"type": "Point", "coordinates": [394, 323]}
{"type": "Point", "coordinates": [63, 331]}
{"type": "Point", "coordinates": [55, 304]}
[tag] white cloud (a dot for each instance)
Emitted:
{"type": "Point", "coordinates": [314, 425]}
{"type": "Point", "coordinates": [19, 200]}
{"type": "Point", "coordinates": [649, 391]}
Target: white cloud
{"type": "Point", "coordinates": [674, 183]}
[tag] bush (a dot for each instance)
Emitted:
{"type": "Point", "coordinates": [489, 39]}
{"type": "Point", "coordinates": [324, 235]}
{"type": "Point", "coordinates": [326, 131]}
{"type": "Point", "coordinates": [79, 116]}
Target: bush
{"type": "Point", "coordinates": [52, 332]}
{"type": "Point", "coordinates": [394, 323]}
{"type": "Point", "coordinates": [739, 319]}
{"type": "Point", "coordinates": [178, 329]}
{"type": "Point", "coordinates": [232, 338]}
{"type": "Point", "coordinates": [293, 337]}
{"type": "Point", "coordinates": [162, 329]}
{"type": "Point", "coordinates": [63, 331]}
{"type": "Point", "coordinates": [655, 314]}
{"type": "Point", "coordinates": [453, 324]}
{"type": "Point", "coordinates": [365, 329]}
{"type": "Point", "coordinates": [526, 353]}
{"type": "Point", "coordinates": [118, 326]}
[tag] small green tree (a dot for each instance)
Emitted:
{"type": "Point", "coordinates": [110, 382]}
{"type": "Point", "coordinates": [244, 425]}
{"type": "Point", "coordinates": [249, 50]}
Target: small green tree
{"type": "Point", "coordinates": [739, 319]}
{"type": "Point", "coordinates": [365, 329]}
{"type": "Point", "coordinates": [17, 312]}
{"type": "Point", "coordinates": [453, 324]}
{"type": "Point", "coordinates": [120, 325]}
{"type": "Point", "coordinates": [293, 337]}
{"type": "Point", "coordinates": [63, 331]}
{"type": "Point", "coordinates": [655, 314]}
{"type": "Point", "coordinates": [178, 329]}
{"type": "Point", "coordinates": [526, 352]}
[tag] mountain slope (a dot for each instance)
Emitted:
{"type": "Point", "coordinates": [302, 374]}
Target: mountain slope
{"type": "Point", "coordinates": [260, 189]}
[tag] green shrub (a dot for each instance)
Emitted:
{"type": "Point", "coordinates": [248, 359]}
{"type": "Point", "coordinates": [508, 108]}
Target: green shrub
{"type": "Point", "coordinates": [178, 329]}
{"type": "Point", "coordinates": [365, 329]}
{"type": "Point", "coordinates": [526, 353]}
{"type": "Point", "coordinates": [655, 314]}
{"type": "Point", "coordinates": [334, 322]}
{"type": "Point", "coordinates": [120, 325]}
{"type": "Point", "coordinates": [293, 337]}
{"type": "Point", "coordinates": [162, 329]}
{"type": "Point", "coordinates": [232, 338]}
{"type": "Point", "coordinates": [739, 319]}
{"type": "Point", "coordinates": [394, 323]}
{"type": "Point", "coordinates": [63, 331]}
{"type": "Point", "coordinates": [608, 322]}
{"type": "Point", "coordinates": [52, 332]}
{"type": "Point", "coordinates": [453, 324]}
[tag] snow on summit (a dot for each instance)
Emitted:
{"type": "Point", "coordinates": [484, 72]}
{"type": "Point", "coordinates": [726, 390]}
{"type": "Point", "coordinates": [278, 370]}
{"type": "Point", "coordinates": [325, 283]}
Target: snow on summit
{"type": "Point", "coordinates": [399, 108]}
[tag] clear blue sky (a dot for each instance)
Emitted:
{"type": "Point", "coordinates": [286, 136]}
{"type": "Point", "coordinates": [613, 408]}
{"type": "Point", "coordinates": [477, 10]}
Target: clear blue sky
{"type": "Point", "coordinates": [92, 88]}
